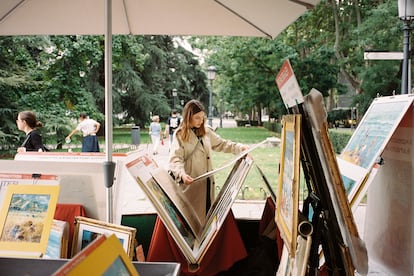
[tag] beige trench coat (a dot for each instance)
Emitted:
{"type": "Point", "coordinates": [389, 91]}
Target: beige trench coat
{"type": "Point", "coordinates": [194, 158]}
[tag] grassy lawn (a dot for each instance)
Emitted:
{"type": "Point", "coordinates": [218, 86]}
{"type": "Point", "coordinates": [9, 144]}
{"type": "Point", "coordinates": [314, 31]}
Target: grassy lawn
{"type": "Point", "coordinates": [267, 158]}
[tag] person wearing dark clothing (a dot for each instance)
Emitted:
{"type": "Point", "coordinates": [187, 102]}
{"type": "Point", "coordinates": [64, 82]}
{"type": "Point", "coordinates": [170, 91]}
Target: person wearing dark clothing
{"type": "Point", "coordinates": [172, 124]}
{"type": "Point", "coordinates": [89, 129]}
{"type": "Point", "coordinates": [26, 121]}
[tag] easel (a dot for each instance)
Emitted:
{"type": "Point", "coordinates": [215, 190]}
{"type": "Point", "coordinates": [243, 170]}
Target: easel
{"type": "Point", "coordinates": [334, 230]}
{"type": "Point", "coordinates": [325, 224]}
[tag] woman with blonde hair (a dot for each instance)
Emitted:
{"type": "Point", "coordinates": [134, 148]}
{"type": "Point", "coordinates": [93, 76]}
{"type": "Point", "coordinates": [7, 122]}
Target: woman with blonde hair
{"type": "Point", "coordinates": [155, 133]}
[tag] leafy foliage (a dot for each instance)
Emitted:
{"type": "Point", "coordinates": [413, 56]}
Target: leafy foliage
{"type": "Point", "coordinates": [60, 76]}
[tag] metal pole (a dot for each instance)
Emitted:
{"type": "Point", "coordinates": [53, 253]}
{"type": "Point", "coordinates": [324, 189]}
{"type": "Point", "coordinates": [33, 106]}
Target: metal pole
{"type": "Point", "coordinates": [210, 107]}
{"type": "Point", "coordinates": [174, 94]}
{"type": "Point", "coordinates": [221, 113]}
{"type": "Point", "coordinates": [109, 165]}
{"type": "Point", "coordinates": [406, 58]}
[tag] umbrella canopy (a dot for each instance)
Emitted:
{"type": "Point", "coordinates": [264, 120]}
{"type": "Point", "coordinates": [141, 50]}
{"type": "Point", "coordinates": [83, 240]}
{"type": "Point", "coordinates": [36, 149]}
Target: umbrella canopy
{"type": "Point", "coordinates": [260, 18]}
{"type": "Point", "coordinates": [157, 17]}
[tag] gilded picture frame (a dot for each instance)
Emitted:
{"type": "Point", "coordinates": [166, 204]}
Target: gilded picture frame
{"type": "Point", "coordinates": [287, 202]}
{"type": "Point", "coordinates": [88, 229]}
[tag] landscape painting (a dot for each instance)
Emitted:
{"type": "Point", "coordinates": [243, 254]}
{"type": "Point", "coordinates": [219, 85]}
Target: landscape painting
{"type": "Point", "coordinates": [26, 218]}
{"type": "Point", "coordinates": [375, 130]}
{"type": "Point", "coordinates": [369, 140]}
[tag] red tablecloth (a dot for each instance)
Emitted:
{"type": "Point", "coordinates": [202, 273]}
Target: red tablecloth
{"type": "Point", "coordinates": [268, 217]}
{"type": "Point", "coordinates": [226, 249]}
{"type": "Point", "coordinates": [68, 212]}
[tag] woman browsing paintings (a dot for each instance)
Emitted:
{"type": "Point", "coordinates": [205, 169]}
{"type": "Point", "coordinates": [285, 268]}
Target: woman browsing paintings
{"type": "Point", "coordinates": [190, 156]}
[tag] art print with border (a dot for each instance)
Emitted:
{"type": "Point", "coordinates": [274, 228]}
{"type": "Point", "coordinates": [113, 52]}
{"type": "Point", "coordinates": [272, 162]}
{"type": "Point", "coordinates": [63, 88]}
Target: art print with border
{"type": "Point", "coordinates": [87, 230]}
{"type": "Point", "coordinates": [26, 218]}
{"type": "Point", "coordinates": [103, 256]}
{"type": "Point", "coordinates": [288, 188]}
{"type": "Point", "coordinates": [369, 140]}
{"type": "Point", "coordinates": [24, 179]}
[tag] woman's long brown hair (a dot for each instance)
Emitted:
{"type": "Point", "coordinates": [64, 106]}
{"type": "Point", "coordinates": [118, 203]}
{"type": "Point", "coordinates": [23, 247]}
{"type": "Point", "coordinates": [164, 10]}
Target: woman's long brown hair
{"type": "Point", "coordinates": [191, 107]}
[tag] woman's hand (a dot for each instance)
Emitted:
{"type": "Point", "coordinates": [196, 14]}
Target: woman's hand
{"type": "Point", "coordinates": [21, 149]}
{"type": "Point", "coordinates": [245, 147]}
{"type": "Point", "coordinates": [186, 179]}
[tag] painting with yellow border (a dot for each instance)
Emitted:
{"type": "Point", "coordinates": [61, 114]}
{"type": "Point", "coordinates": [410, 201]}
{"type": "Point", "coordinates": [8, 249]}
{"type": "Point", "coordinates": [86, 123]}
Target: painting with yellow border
{"type": "Point", "coordinates": [104, 256]}
{"type": "Point", "coordinates": [26, 218]}
{"type": "Point", "coordinates": [288, 187]}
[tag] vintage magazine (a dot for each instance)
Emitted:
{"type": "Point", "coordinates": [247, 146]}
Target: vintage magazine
{"type": "Point", "coordinates": [191, 235]}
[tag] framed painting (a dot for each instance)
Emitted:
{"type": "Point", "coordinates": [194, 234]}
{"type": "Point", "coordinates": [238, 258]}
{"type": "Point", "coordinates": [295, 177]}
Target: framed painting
{"type": "Point", "coordinates": [364, 149]}
{"type": "Point", "coordinates": [87, 230]}
{"type": "Point", "coordinates": [288, 188]}
{"type": "Point", "coordinates": [26, 218]}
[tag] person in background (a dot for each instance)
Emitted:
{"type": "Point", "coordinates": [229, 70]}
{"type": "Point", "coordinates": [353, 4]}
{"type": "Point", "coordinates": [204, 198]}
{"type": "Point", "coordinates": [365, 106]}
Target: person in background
{"type": "Point", "coordinates": [89, 128]}
{"type": "Point", "coordinates": [190, 156]}
{"type": "Point", "coordinates": [26, 121]}
{"type": "Point", "coordinates": [155, 133]}
{"type": "Point", "coordinates": [172, 124]}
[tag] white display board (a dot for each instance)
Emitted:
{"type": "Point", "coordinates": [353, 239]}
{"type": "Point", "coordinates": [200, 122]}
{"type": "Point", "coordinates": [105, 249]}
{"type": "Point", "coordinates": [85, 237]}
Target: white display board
{"type": "Point", "coordinates": [81, 177]}
{"type": "Point", "coordinates": [390, 211]}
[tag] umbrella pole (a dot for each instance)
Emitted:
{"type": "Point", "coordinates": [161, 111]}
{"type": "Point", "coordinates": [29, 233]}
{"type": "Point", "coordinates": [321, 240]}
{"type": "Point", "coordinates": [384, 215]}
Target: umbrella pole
{"type": "Point", "coordinates": [109, 165]}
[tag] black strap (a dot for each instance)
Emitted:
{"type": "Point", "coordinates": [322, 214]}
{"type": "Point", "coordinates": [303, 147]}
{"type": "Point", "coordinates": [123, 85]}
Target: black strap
{"type": "Point", "coordinates": [208, 200]}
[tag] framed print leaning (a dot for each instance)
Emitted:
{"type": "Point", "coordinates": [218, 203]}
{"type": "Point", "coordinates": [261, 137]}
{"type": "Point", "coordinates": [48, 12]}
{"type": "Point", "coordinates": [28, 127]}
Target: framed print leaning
{"type": "Point", "coordinates": [103, 256]}
{"type": "Point", "coordinates": [288, 188]}
{"type": "Point", "coordinates": [26, 218]}
{"type": "Point", "coordinates": [368, 142]}
{"type": "Point", "coordinates": [87, 230]}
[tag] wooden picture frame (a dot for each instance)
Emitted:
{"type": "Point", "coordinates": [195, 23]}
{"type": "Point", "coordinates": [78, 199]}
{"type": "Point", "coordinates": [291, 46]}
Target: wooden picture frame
{"type": "Point", "coordinates": [26, 218]}
{"type": "Point", "coordinates": [287, 202]}
{"type": "Point", "coordinates": [87, 229]}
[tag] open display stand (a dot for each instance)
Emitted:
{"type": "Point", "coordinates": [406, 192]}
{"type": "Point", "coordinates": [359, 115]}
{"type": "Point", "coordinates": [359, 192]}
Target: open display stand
{"type": "Point", "coordinates": [335, 246]}
{"type": "Point", "coordinates": [377, 162]}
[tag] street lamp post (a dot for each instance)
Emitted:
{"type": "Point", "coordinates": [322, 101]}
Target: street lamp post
{"type": "Point", "coordinates": [221, 113]}
{"type": "Point", "coordinates": [211, 75]}
{"type": "Point", "coordinates": [174, 93]}
{"type": "Point", "coordinates": [406, 14]}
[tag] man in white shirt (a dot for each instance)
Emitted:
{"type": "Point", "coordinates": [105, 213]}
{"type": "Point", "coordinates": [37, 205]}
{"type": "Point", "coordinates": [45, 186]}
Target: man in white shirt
{"type": "Point", "coordinates": [89, 128]}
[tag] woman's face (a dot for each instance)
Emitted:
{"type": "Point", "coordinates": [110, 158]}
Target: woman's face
{"type": "Point", "coordinates": [197, 119]}
{"type": "Point", "coordinates": [20, 123]}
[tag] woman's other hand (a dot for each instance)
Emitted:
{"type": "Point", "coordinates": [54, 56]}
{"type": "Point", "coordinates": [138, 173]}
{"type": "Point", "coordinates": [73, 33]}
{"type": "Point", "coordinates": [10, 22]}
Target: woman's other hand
{"type": "Point", "coordinates": [186, 179]}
